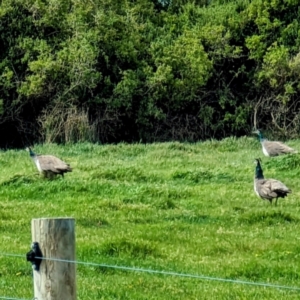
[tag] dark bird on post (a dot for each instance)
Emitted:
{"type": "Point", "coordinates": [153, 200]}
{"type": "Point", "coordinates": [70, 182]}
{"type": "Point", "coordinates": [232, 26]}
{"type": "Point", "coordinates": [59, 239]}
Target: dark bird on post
{"type": "Point", "coordinates": [49, 165]}
{"type": "Point", "coordinates": [273, 148]}
{"type": "Point", "coordinates": [268, 189]}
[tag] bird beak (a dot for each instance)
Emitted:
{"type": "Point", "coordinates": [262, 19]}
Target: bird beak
{"type": "Point", "coordinates": [257, 160]}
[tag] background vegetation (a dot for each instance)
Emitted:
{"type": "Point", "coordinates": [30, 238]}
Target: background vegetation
{"type": "Point", "coordinates": [180, 207]}
{"type": "Point", "coordinates": [147, 70]}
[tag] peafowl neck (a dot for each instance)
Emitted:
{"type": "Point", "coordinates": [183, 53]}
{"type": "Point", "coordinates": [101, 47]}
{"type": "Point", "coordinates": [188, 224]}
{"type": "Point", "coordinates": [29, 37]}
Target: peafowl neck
{"type": "Point", "coordinates": [259, 172]}
{"type": "Point", "coordinates": [261, 137]}
{"type": "Point", "coordinates": [31, 153]}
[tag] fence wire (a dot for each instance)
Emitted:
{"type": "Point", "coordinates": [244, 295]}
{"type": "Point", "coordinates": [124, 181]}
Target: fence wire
{"type": "Point", "coordinates": [9, 298]}
{"type": "Point", "coordinates": [136, 269]}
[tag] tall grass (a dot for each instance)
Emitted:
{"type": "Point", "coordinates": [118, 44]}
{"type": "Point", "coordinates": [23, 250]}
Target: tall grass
{"type": "Point", "coordinates": [180, 207]}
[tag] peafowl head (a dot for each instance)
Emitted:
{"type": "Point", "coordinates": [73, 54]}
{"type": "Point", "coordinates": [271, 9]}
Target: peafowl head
{"type": "Point", "coordinates": [31, 153]}
{"type": "Point", "coordinates": [258, 170]}
{"type": "Point", "coordinates": [260, 135]}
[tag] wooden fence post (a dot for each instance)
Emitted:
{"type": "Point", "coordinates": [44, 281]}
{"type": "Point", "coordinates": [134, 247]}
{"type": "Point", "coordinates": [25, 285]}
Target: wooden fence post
{"type": "Point", "coordinates": [56, 238]}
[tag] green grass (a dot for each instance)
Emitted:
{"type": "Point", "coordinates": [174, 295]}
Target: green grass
{"type": "Point", "coordinates": [178, 207]}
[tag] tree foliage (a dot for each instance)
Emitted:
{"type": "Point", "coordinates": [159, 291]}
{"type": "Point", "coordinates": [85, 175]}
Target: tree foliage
{"type": "Point", "coordinates": [149, 70]}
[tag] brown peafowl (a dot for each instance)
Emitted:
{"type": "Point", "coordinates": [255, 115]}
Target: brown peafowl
{"type": "Point", "coordinates": [274, 148]}
{"type": "Point", "coordinates": [268, 189]}
{"type": "Point", "coordinates": [49, 165]}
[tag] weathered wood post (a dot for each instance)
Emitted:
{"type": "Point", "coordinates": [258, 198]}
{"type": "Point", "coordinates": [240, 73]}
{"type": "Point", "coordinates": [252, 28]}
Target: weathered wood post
{"type": "Point", "coordinates": [55, 280]}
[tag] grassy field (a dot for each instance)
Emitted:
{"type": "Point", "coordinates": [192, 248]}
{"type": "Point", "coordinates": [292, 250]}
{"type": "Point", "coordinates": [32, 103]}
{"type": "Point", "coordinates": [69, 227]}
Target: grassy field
{"type": "Point", "coordinates": [179, 207]}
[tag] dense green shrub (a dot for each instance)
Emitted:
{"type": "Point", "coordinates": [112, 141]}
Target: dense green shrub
{"type": "Point", "coordinates": [150, 70]}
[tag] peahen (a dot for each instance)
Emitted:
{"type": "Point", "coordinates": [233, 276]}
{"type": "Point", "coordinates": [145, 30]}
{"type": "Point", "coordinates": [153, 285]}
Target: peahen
{"type": "Point", "coordinates": [268, 189]}
{"type": "Point", "coordinates": [49, 165]}
{"type": "Point", "coordinates": [274, 148]}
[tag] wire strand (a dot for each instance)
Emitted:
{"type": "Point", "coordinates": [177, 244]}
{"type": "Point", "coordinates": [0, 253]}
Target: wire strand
{"type": "Point", "coordinates": [9, 298]}
{"type": "Point", "coordinates": [125, 268]}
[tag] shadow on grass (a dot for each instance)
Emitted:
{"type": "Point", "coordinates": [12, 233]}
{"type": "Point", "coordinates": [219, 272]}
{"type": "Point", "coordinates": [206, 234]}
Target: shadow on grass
{"type": "Point", "coordinates": [164, 204]}
{"type": "Point", "coordinates": [125, 174]}
{"type": "Point", "coordinates": [18, 180]}
{"type": "Point", "coordinates": [143, 220]}
{"type": "Point", "coordinates": [92, 222]}
{"type": "Point", "coordinates": [130, 248]}
{"type": "Point", "coordinates": [268, 218]}
{"type": "Point", "coordinates": [257, 272]}
{"type": "Point", "coordinates": [193, 219]}
{"type": "Point", "coordinates": [202, 176]}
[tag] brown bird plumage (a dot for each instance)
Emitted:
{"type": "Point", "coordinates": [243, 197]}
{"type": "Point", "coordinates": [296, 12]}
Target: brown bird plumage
{"type": "Point", "coordinates": [276, 148]}
{"type": "Point", "coordinates": [49, 165]}
{"type": "Point", "coordinates": [273, 148]}
{"type": "Point", "coordinates": [268, 189]}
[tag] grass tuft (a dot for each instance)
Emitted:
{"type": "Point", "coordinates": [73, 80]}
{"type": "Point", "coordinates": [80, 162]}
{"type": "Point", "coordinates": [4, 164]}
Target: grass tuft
{"type": "Point", "coordinates": [136, 249]}
{"type": "Point", "coordinates": [165, 204]}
